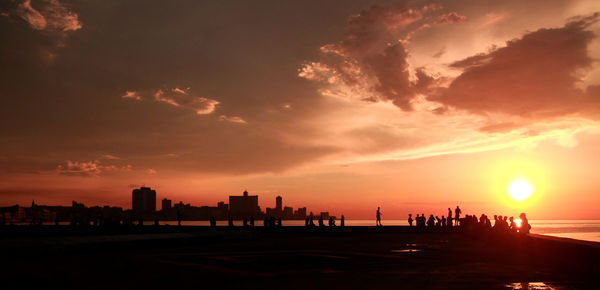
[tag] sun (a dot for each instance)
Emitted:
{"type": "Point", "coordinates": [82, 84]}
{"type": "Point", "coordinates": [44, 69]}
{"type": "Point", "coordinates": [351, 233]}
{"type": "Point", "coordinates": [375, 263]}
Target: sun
{"type": "Point", "coordinates": [520, 189]}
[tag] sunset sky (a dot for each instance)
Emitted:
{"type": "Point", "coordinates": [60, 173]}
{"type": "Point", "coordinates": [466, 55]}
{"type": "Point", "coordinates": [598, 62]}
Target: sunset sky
{"type": "Point", "coordinates": [414, 106]}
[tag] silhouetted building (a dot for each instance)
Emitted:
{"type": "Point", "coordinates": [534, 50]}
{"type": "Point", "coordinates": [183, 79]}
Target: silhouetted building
{"type": "Point", "coordinates": [288, 212]}
{"type": "Point", "coordinates": [143, 200]}
{"type": "Point", "coordinates": [166, 204]}
{"type": "Point", "coordinates": [243, 206]}
{"type": "Point", "coordinates": [279, 203]}
{"type": "Point", "coordinates": [300, 212]}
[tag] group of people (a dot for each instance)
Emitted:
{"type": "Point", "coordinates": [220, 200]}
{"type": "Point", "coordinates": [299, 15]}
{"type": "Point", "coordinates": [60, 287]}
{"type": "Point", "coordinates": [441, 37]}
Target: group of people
{"type": "Point", "coordinates": [501, 223]}
{"type": "Point", "coordinates": [453, 219]}
{"type": "Point", "coordinates": [422, 221]}
{"type": "Point", "coordinates": [309, 221]}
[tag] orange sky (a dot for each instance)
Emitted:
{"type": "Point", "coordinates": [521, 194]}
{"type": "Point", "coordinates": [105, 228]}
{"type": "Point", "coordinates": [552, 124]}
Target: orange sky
{"type": "Point", "coordinates": [414, 106]}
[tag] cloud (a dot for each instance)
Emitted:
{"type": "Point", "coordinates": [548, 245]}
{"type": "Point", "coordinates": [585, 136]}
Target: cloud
{"type": "Point", "coordinates": [534, 76]}
{"type": "Point", "coordinates": [451, 17]}
{"type": "Point", "coordinates": [371, 62]}
{"type": "Point", "coordinates": [233, 119]}
{"type": "Point", "coordinates": [48, 15]}
{"type": "Point", "coordinates": [88, 168]}
{"type": "Point", "coordinates": [181, 98]}
{"type": "Point", "coordinates": [132, 95]}
{"type": "Point", "coordinates": [110, 157]}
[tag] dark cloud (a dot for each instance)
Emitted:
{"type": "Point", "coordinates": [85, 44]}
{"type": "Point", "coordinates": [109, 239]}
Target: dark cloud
{"type": "Point", "coordinates": [372, 59]}
{"type": "Point", "coordinates": [533, 76]}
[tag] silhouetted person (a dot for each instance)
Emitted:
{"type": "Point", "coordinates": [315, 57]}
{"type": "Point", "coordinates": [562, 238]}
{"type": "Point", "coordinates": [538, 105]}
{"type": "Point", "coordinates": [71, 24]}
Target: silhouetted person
{"type": "Point", "coordinates": [457, 213]}
{"type": "Point", "coordinates": [230, 222]}
{"type": "Point", "coordinates": [321, 224]}
{"type": "Point", "coordinates": [178, 217]}
{"type": "Point", "coordinates": [410, 220]}
{"type": "Point", "coordinates": [213, 222]}
{"type": "Point", "coordinates": [431, 221]}
{"type": "Point", "coordinates": [331, 222]}
{"type": "Point", "coordinates": [312, 222]}
{"type": "Point", "coordinates": [279, 223]}
{"type": "Point", "coordinates": [306, 222]}
{"type": "Point", "coordinates": [378, 217]}
{"type": "Point", "coordinates": [342, 221]}
{"type": "Point", "coordinates": [513, 226]}
{"type": "Point", "coordinates": [449, 219]}
{"type": "Point", "coordinates": [525, 226]}
{"type": "Point", "coordinates": [443, 221]}
{"type": "Point", "coordinates": [251, 221]}
{"type": "Point", "coordinates": [245, 223]}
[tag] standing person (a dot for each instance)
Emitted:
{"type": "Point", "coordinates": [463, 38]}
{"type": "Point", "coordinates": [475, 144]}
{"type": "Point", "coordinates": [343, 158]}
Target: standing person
{"type": "Point", "coordinates": [410, 219]}
{"type": "Point", "coordinates": [457, 213]}
{"type": "Point", "coordinates": [449, 220]}
{"type": "Point", "coordinates": [378, 216]}
{"type": "Point", "coordinates": [342, 221]}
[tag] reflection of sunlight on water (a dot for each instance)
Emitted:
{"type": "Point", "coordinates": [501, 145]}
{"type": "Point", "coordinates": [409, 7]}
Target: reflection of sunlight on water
{"type": "Point", "coordinates": [529, 286]}
{"type": "Point", "coordinates": [406, 251]}
{"type": "Point", "coordinates": [518, 222]}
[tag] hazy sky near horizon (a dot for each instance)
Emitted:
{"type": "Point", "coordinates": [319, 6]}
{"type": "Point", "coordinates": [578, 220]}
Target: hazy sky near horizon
{"type": "Point", "coordinates": [414, 106]}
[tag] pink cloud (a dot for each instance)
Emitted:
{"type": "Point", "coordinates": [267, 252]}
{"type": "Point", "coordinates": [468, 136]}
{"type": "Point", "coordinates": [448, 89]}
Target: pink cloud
{"type": "Point", "coordinates": [49, 15]}
{"type": "Point", "coordinates": [233, 119]}
{"type": "Point", "coordinates": [132, 95]}
{"type": "Point", "coordinates": [88, 168]}
{"type": "Point", "coordinates": [181, 98]}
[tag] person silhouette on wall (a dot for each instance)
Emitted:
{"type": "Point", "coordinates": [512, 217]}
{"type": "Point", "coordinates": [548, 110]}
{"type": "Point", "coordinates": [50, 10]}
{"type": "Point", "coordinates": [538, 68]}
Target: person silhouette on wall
{"type": "Point", "coordinates": [378, 217]}
{"type": "Point", "coordinates": [449, 219]}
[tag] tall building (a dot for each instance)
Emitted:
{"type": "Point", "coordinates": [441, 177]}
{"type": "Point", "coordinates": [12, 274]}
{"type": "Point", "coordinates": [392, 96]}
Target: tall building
{"type": "Point", "coordinates": [279, 203]}
{"type": "Point", "coordinates": [243, 206]}
{"type": "Point", "coordinates": [166, 204]}
{"type": "Point", "coordinates": [143, 200]}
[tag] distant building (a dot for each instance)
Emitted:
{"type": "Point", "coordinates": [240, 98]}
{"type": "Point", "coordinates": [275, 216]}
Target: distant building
{"type": "Point", "coordinates": [166, 204]}
{"type": "Point", "coordinates": [143, 200]}
{"type": "Point", "coordinates": [279, 203]}
{"type": "Point", "coordinates": [300, 213]}
{"type": "Point", "coordinates": [288, 212]}
{"type": "Point", "coordinates": [243, 206]}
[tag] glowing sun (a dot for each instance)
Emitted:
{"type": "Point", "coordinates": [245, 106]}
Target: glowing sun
{"type": "Point", "coordinates": [520, 189]}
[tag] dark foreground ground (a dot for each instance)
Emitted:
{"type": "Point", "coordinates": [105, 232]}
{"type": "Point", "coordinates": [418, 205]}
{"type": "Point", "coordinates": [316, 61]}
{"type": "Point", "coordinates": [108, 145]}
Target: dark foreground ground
{"type": "Point", "coordinates": [291, 258]}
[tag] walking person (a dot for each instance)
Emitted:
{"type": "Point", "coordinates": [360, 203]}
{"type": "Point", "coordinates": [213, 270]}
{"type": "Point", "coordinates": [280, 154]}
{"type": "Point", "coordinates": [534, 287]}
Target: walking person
{"type": "Point", "coordinates": [378, 216]}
